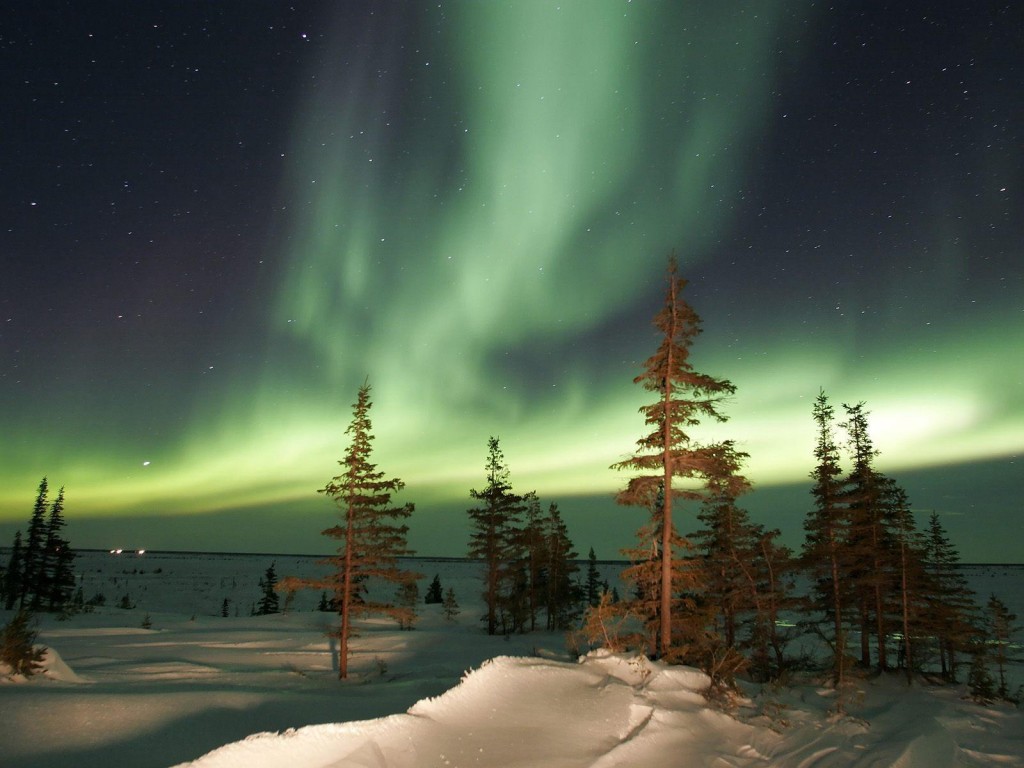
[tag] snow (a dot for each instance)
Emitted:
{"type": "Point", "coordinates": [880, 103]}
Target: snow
{"type": "Point", "coordinates": [252, 692]}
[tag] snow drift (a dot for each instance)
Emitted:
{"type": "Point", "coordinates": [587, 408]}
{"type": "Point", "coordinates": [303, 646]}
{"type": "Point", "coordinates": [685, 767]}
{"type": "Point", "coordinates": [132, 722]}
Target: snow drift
{"type": "Point", "coordinates": [610, 710]}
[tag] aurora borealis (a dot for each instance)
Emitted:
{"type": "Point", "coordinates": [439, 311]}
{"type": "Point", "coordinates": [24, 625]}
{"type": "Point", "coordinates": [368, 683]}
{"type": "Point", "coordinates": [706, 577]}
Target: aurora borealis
{"type": "Point", "coordinates": [220, 219]}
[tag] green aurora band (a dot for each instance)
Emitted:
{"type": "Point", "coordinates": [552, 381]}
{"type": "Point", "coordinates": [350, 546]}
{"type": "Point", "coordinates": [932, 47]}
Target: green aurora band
{"type": "Point", "coordinates": [490, 259]}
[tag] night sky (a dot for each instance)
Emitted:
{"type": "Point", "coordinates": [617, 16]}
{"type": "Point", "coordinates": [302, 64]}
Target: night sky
{"type": "Point", "coordinates": [219, 219]}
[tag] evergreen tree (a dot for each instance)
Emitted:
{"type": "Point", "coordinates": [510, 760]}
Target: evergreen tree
{"type": "Point", "coordinates": [224, 608]}
{"type": "Point", "coordinates": [685, 397]}
{"type": "Point", "coordinates": [912, 603]}
{"type": "Point", "coordinates": [17, 646]}
{"type": "Point", "coordinates": [824, 551]}
{"type": "Point", "coordinates": [692, 642]}
{"type": "Point", "coordinates": [593, 580]}
{"type": "Point", "coordinates": [407, 595]}
{"type": "Point", "coordinates": [32, 573]}
{"type": "Point", "coordinates": [562, 592]}
{"type": "Point", "coordinates": [1001, 629]}
{"type": "Point", "coordinates": [747, 574]}
{"type": "Point", "coordinates": [729, 543]}
{"type": "Point", "coordinates": [371, 538]}
{"type": "Point", "coordinates": [57, 577]}
{"type": "Point", "coordinates": [434, 592]}
{"type": "Point", "coordinates": [534, 548]}
{"type": "Point", "coordinates": [269, 601]}
{"type": "Point", "coordinates": [13, 575]}
{"type": "Point", "coordinates": [979, 679]}
{"type": "Point", "coordinates": [450, 606]}
{"type": "Point", "coordinates": [952, 616]}
{"type": "Point", "coordinates": [869, 544]}
{"type": "Point", "coordinates": [494, 536]}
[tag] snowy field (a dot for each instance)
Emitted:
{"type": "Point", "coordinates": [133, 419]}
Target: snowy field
{"type": "Point", "coordinates": [244, 691]}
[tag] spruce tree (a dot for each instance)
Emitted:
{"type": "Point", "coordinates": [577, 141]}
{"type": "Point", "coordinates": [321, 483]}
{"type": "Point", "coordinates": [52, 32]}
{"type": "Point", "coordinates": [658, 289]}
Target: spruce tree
{"type": "Point", "coordinates": [869, 544]}
{"type": "Point", "coordinates": [435, 594]}
{"type": "Point", "coordinates": [685, 398]}
{"type": "Point", "coordinates": [495, 535]}
{"type": "Point", "coordinates": [1001, 629]}
{"type": "Point", "coordinates": [911, 589]}
{"type": "Point", "coordinates": [534, 546]}
{"type": "Point", "coordinates": [824, 554]}
{"type": "Point", "coordinates": [407, 595]}
{"type": "Point", "coordinates": [690, 614]}
{"type": "Point", "coordinates": [952, 616]}
{"type": "Point", "coordinates": [370, 535]}
{"type": "Point", "coordinates": [58, 578]}
{"type": "Point", "coordinates": [729, 543]}
{"type": "Point", "coordinates": [269, 601]}
{"type": "Point", "coordinates": [593, 580]}
{"type": "Point", "coordinates": [32, 572]}
{"type": "Point", "coordinates": [563, 594]}
{"type": "Point", "coordinates": [450, 606]}
{"type": "Point", "coordinates": [17, 645]}
{"type": "Point", "coordinates": [979, 679]}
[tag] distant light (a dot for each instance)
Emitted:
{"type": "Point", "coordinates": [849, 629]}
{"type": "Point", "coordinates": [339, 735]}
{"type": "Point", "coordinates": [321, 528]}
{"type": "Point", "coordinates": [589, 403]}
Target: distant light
{"type": "Point", "coordinates": [145, 463]}
{"type": "Point", "coordinates": [116, 551]}
{"type": "Point", "coordinates": [140, 552]}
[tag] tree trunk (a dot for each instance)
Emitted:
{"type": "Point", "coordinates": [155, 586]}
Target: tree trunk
{"type": "Point", "coordinates": [666, 523]}
{"type": "Point", "coordinates": [839, 669]}
{"type": "Point", "coordinates": [905, 598]}
{"type": "Point", "coordinates": [865, 633]}
{"type": "Point", "coordinates": [346, 601]}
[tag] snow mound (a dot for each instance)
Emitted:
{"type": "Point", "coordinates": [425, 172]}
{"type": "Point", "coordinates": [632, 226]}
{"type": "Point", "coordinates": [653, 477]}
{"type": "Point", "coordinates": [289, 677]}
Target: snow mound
{"type": "Point", "coordinates": [52, 667]}
{"type": "Point", "coordinates": [613, 711]}
{"type": "Point", "coordinates": [55, 668]}
{"type": "Point", "coordinates": [511, 711]}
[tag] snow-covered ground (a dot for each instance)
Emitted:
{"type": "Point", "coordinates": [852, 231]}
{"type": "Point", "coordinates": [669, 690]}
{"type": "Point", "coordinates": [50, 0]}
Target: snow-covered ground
{"type": "Point", "coordinates": [244, 691]}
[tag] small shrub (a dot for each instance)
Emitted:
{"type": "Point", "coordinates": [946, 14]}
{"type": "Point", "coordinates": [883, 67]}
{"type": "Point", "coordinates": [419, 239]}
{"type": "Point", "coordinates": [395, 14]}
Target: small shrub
{"type": "Point", "coordinates": [450, 606]}
{"type": "Point", "coordinates": [17, 646]}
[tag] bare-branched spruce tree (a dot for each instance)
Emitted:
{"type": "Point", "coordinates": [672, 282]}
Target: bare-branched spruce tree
{"type": "Point", "coordinates": [685, 398]}
{"type": "Point", "coordinates": [370, 534]}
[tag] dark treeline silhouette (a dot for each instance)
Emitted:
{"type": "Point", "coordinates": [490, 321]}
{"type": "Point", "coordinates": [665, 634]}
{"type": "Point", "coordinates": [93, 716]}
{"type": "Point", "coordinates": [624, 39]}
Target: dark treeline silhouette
{"type": "Point", "coordinates": [39, 575]}
{"type": "Point", "coordinates": [527, 558]}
